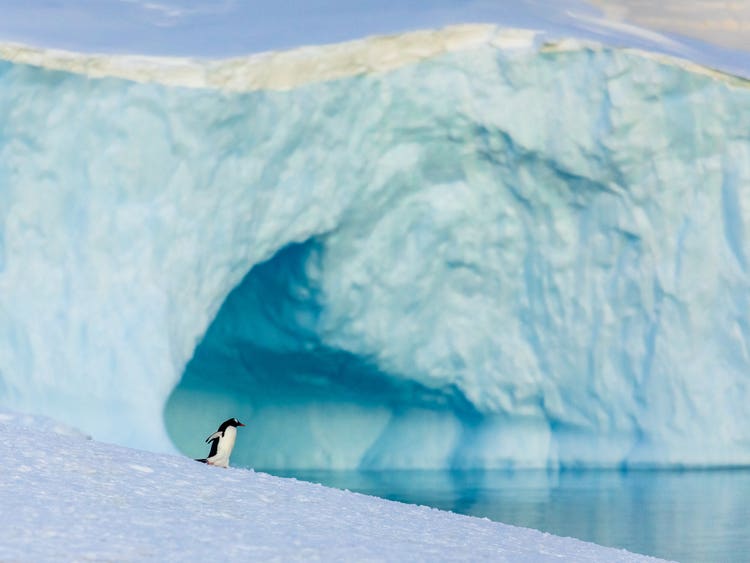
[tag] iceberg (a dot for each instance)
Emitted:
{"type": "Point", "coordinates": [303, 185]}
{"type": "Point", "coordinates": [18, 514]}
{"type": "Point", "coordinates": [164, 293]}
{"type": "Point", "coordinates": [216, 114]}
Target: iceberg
{"type": "Point", "coordinates": [462, 248]}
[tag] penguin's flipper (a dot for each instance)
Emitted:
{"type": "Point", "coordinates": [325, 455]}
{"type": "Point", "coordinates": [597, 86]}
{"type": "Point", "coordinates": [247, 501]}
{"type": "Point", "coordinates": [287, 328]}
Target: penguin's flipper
{"type": "Point", "coordinates": [214, 448]}
{"type": "Point", "coordinates": [204, 460]}
{"type": "Point", "coordinates": [215, 436]}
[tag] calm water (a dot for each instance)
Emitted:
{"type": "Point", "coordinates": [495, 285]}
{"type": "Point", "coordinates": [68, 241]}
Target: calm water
{"type": "Point", "coordinates": [681, 515]}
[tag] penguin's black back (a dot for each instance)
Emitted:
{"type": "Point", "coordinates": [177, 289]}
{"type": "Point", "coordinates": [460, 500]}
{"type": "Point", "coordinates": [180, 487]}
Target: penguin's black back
{"type": "Point", "coordinates": [212, 453]}
{"type": "Point", "coordinates": [214, 447]}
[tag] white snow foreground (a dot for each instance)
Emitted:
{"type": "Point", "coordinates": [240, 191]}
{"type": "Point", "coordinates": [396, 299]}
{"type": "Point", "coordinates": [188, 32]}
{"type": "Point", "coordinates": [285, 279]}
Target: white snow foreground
{"type": "Point", "coordinates": [66, 497]}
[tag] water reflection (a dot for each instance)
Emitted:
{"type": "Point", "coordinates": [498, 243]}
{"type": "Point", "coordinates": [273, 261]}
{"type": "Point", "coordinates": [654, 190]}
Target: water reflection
{"type": "Point", "coordinates": [681, 515]}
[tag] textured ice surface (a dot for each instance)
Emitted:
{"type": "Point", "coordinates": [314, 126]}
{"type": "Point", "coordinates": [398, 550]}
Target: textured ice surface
{"type": "Point", "coordinates": [64, 498]}
{"type": "Point", "coordinates": [490, 256]}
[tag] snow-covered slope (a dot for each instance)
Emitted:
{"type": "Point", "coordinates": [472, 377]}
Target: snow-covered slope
{"type": "Point", "coordinates": [67, 498]}
{"type": "Point", "coordinates": [480, 251]}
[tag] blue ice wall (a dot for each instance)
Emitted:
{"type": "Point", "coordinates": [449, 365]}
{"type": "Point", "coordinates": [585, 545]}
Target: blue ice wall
{"type": "Point", "coordinates": [306, 404]}
{"type": "Point", "coordinates": [485, 259]}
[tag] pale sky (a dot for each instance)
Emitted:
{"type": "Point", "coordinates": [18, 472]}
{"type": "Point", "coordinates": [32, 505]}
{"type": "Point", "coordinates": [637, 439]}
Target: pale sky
{"type": "Point", "coordinates": [722, 22]}
{"type": "Point", "coordinates": [234, 27]}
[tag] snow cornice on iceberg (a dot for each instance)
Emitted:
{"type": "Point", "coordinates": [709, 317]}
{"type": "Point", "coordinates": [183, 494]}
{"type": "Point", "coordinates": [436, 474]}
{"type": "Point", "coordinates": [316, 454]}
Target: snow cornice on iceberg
{"type": "Point", "coordinates": [285, 70]}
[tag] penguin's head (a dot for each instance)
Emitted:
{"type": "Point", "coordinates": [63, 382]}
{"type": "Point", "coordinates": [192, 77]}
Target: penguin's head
{"type": "Point", "coordinates": [227, 423]}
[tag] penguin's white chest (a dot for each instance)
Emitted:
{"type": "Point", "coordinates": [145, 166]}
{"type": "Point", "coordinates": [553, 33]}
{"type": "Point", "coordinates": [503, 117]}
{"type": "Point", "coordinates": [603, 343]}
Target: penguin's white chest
{"type": "Point", "coordinates": [226, 442]}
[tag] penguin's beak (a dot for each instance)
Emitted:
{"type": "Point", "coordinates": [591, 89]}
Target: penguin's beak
{"type": "Point", "coordinates": [240, 424]}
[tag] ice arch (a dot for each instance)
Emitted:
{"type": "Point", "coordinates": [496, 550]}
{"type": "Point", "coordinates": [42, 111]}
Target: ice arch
{"type": "Point", "coordinates": [306, 403]}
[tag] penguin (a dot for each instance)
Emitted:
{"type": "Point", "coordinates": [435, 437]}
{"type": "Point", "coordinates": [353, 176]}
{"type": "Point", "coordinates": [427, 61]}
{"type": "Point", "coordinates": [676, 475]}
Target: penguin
{"type": "Point", "coordinates": [222, 442]}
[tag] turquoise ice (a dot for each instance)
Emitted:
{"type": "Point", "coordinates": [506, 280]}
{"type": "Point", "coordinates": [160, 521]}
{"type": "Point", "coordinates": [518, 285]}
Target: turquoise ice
{"type": "Point", "coordinates": [490, 257]}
